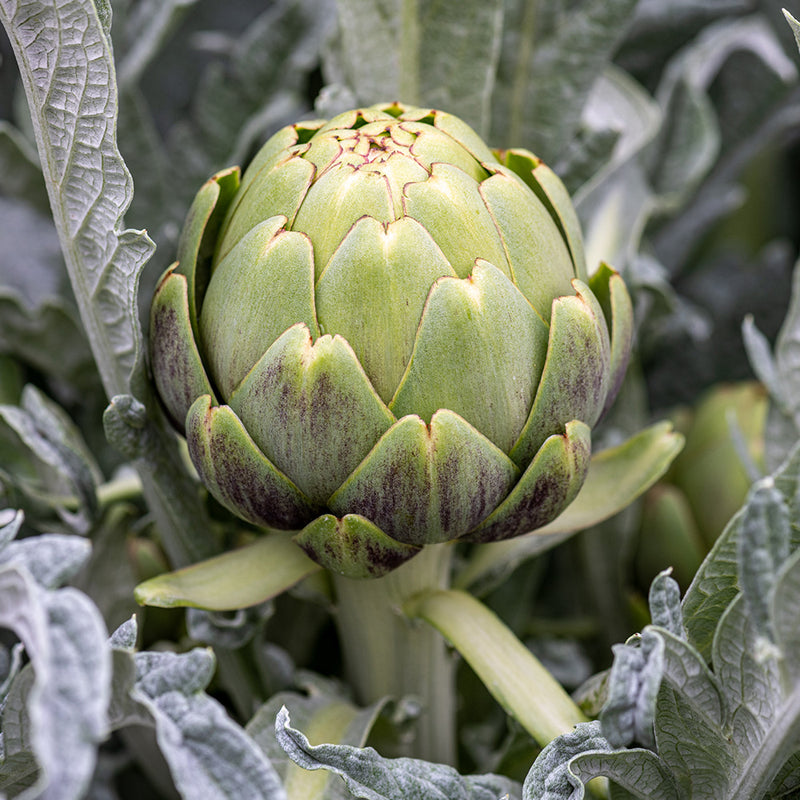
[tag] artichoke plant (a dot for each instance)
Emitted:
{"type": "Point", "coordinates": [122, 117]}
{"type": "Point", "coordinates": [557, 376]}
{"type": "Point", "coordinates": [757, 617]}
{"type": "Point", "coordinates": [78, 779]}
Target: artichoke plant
{"type": "Point", "coordinates": [384, 337]}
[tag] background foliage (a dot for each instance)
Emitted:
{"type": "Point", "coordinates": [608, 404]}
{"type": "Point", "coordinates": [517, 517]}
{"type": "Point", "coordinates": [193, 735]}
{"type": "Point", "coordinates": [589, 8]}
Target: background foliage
{"type": "Point", "coordinates": [675, 125]}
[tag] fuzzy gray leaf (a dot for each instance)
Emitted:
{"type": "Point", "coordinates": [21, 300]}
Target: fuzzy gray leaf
{"type": "Point", "coordinates": [63, 717]}
{"type": "Point", "coordinates": [633, 685]}
{"type": "Point", "coordinates": [323, 711]}
{"type": "Point", "coordinates": [371, 777]}
{"type": "Point", "coordinates": [442, 55]}
{"type": "Point", "coordinates": [664, 601]}
{"type": "Point", "coordinates": [763, 548]}
{"type": "Point", "coordinates": [547, 71]}
{"type": "Point", "coordinates": [210, 757]}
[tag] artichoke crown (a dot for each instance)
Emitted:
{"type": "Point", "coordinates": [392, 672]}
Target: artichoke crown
{"type": "Point", "coordinates": [384, 336]}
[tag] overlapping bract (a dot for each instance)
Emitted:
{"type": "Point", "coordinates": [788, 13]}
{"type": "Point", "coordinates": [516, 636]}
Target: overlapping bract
{"type": "Point", "coordinates": [384, 337]}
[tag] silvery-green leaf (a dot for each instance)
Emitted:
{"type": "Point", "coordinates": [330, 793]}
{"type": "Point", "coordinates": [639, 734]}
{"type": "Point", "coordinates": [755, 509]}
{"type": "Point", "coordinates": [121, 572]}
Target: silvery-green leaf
{"type": "Point", "coordinates": [124, 637]}
{"type": "Point", "coordinates": [551, 776]}
{"type": "Point", "coordinates": [548, 68]}
{"type": "Point", "coordinates": [63, 717]}
{"type": "Point", "coordinates": [88, 183]}
{"type": "Point", "coordinates": [640, 772]}
{"type": "Point", "coordinates": [47, 431]}
{"type": "Point", "coordinates": [749, 677]}
{"type": "Point", "coordinates": [210, 757]}
{"type": "Point", "coordinates": [616, 104]}
{"type": "Point", "coordinates": [371, 777]}
{"type": "Point", "coordinates": [633, 684]}
{"type": "Point", "coordinates": [715, 584]}
{"type": "Point", "coordinates": [146, 29]}
{"type": "Point", "coordinates": [686, 672]}
{"type": "Point", "coordinates": [20, 176]}
{"type": "Point", "coordinates": [441, 55]}
{"type": "Point", "coordinates": [784, 382]}
{"type": "Point", "coordinates": [664, 601]}
{"type": "Point", "coordinates": [787, 782]}
{"type": "Point", "coordinates": [701, 765]}
{"type": "Point", "coordinates": [794, 25]}
{"type": "Point", "coordinates": [228, 629]}
{"type": "Point", "coordinates": [763, 547]}
{"type": "Point", "coordinates": [260, 89]}
{"type": "Point", "coordinates": [785, 611]}
{"type": "Point", "coordinates": [327, 715]}
{"type": "Point", "coordinates": [51, 558]}
{"type": "Point", "coordinates": [691, 138]}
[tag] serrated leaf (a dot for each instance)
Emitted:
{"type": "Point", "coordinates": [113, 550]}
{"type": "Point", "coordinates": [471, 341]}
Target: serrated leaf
{"type": "Point", "coordinates": [441, 55]}
{"type": "Point", "coordinates": [371, 777]}
{"type": "Point", "coordinates": [71, 89]}
{"type": "Point", "coordinates": [47, 431]}
{"type": "Point", "coordinates": [63, 717]}
{"type": "Point", "coordinates": [641, 772]}
{"type": "Point", "coordinates": [633, 684]}
{"type": "Point", "coordinates": [327, 716]}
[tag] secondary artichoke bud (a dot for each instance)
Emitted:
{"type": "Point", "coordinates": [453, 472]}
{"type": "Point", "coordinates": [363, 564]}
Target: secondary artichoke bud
{"type": "Point", "coordinates": [384, 337]}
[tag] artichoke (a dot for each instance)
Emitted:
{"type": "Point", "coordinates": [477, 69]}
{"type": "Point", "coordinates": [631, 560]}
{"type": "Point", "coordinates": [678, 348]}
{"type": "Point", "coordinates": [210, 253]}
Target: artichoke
{"type": "Point", "coordinates": [384, 337]}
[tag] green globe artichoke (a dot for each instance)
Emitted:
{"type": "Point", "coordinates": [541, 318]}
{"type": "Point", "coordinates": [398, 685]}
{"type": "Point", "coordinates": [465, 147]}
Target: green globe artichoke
{"type": "Point", "coordinates": [384, 337]}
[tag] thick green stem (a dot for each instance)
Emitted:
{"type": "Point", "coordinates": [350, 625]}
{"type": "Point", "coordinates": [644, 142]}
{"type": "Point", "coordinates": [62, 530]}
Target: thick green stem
{"type": "Point", "coordinates": [386, 654]}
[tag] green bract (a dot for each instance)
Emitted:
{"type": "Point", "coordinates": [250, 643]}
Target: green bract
{"type": "Point", "coordinates": [384, 337]}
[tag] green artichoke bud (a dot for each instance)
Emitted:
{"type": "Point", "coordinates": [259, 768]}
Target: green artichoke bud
{"type": "Point", "coordinates": [384, 337]}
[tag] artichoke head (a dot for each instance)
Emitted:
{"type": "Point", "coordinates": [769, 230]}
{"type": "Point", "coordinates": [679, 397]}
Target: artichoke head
{"type": "Point", "coordinates": [384, 337]}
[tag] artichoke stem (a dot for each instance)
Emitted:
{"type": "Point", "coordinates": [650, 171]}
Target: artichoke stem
{"type": "Point", "coordinates": [386, 654]}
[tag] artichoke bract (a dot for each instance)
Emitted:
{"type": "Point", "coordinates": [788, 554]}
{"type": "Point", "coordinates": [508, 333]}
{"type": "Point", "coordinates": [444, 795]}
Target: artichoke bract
{"type": "Point", "coordinates": [384, 337]}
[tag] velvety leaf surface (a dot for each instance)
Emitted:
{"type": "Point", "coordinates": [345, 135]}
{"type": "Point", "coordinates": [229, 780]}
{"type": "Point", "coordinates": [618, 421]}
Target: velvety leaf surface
{"type": "Point", "coordinates": [94, 186]}
{"type": "Point", "coordinates": [56, 710]}
{"type": "Point", "coordinates": [371, 777]}
{"type": "Point", "coordinates": [210, 757]}
{"type": "Point", "coordinates": [323, 710]}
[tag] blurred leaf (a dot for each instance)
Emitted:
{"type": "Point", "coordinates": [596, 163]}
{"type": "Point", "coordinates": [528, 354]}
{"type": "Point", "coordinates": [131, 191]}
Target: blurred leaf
{"type": "Point", "coordinates": [145, 31]}
{"type": "Point", "coordinates": [441, 55]}
{"type": "Point", "coordinates": [664, 600]}
{"type": "Point", "coordinates": [20, 175]}
{"type": "Point", "coordinates": [56, 443]}
{"type": "Point", "coordinates": [617, 476]}
{"type": "Point", "coordinates": [547, 71]}
{"type": "Point", "coordinates": [369, 776]}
